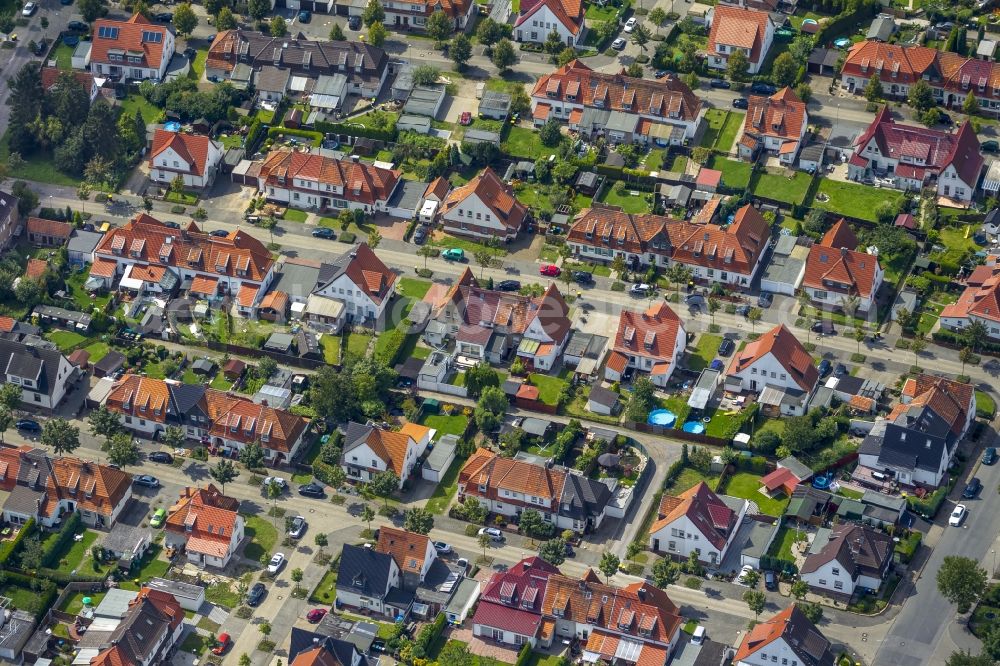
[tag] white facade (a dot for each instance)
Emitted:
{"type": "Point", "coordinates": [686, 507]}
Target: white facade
{"type": "Point", "coordinates": [598, 408]}
{"type": "Point", "coordinates": [373, 604]}
{"type": "Point", "coordinates": [907, 476]}
{"type": "Point", "coordinates": [472, 217]}
{"type": "Point", "coordinates": [502, 636]}
{"type": "Point", "coordinates": [29, 385]}
{"type": "Point", "coordinates": [682, 537]}
{"type": "Point", "coordinates": [775, 652]}
{"type": "Point", "coordinates": [205, 559]}
{"type": "Point", "coordinates": [720, 59]}
{"type": "Point", "coordinates": [561, 111]}
{"type": "Point", "coordinates": [645, 363]}
{"type": "Point", "coordinates": [949, 183]}
{"type": "Point", "coordinates": [169, 164]}
{"type": "Point", "coordinates": [135, 70]}
{"type": "Point", "coordinates": [763, 372]}
{"type": "Point", "coordinates": [363, 464]}
{"type": "Point", "coordinates": [536, 28]}
{"type": "Point", "coordinates": [230, 446]}
{"type": "Point", "coordinates": [834, 299]}
{"type": "Point", "coordinates": [358, 304]}
{"type": "Point", "coordinates": [834, 577]}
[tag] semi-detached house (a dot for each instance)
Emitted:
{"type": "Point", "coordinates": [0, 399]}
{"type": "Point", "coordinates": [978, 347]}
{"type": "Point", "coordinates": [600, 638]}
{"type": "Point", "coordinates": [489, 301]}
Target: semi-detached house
{"type": "Point", "coordinates": [846, 558]}
{"type": "Point", "coordinates": [206, 525]}
{"type": "Point", "coordinates": [193, 157]}
{"type": "Point", "coordinates": [652, 342]}
{"type": "Point", "coordinates": [776, 359]}
{"type": "Point", "coordinates": [43, 374]}
{"type": "Point", "coordinates": [979, 302]}
{"type": "Point", "coordinates": [370, 450]}
{"type": "Point", "coordinates": [134, 49]}
{"type": "Point", "coordinates": [697, 521]}
{"type": "Point", "coordinates": [510, 608]}
{"type": "Point", "coordinates": [734, 29]}
{"type": "Point", "coordinates": [147, 634]}
{"type": "Point", "coordinates": [775, 125]}
{"type": "Point", "coordinates": [361, 282]}
{"type": "Point", "coordinates": [538, 18]}
{"type": "Point", "coordinates": [485, 207]}
{"type": "Point", "coordinates": [621, 108]}
{"type": "Point", "coordinates": [836, 271]}
{"type": "Point", "coordinates": [787, 638]}
{"type": "Point", "coordinates": [413, 14]}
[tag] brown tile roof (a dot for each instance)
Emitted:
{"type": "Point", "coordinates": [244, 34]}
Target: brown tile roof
{"type": "Point", "coordinates": [130, 39]}
{"type": "Point", "coordinates": [316, 656]}
{"type": "Point", "coordinates": [370, 274]}
{"type": "Point", "coordinates": [275, 300]}
{"type": "Point", "coordinates": [652, 333]}
{"type": "Point", "coordinates": [103, 268]}
{"type": "Point", "coordinates": [786, 349]}
{"type": "Point", "coordinates": [390, 447]}
{"type": "Point", "coordinates": [192, 148]}
{"type": "Point", "coordinates": [36, 268]}
{"type": "Point", "coordinates": [202, 284]}
{"type": "Point", "coordinates": [495, 194]}
{"type": "Point", "coordinates": [92, 486]}
{"type": "Point", "coordinates": [840, 235]}
{"type": "Point", "coordinates": [800, 635]}
{"type": "Point", "coordinates": [408, 549]}
{"type": "Point", "coordinates": [39, 225]}
{"type": "Point", "coordinates": [611, 227]}
{"type": "Point", "coordinates": [474, 305]}
{"type": "Point", "coordinates": [949, 399]}
{"type": "Point", "coordinates": [7, 324]}
{"type": "Point", "coordinates": [276, 429]}
{"type": "Point", "coordinates": [781, 115]}
{"type": "Point", "coordinates": [51, 76]}
{"type": "Point", "coordinates": [354, 181]}
{"type": "Point", "coordinates": [207, 515]}
{"type": "Point", "coordinates": [488, 469]}
{"type": "Point", "coordinates": [701, 506]}
{"type": "Point", "coordinates": [568, 12]}
{"type": "Point", "coordinates": [740, 27]}
{"type": "Point", "coordinates": [142, 397]}
{"type": "Point", "coordinates": [842, 270]}
{"type": "Point", "coordinates": [666, 98]}
{"type": "Point", "coordinates": [438, 188]}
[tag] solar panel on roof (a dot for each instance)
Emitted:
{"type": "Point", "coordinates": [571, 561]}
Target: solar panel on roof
{"type": "Point", "coordinates": [107, 32]}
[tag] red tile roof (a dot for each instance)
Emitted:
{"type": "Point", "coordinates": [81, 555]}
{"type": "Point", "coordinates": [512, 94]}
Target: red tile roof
{"type": "Point", "coordinates": [240, 419]}
{"type": "Point", "coordinates": [141, 397]}
{"type": "Point", "coordinates": [206, 516]}
{"type": "Point", "coordinates": [782, 115]}
{"type": "Point", "coordinates": [740, 27]}
{"type": "Point", "coordinates": [51, 76]}
{"type": "Point", "coordinates": [370, 274]}
{"type": "Point", "coordinates": [192, 148]}
{"type": "Point", "coordinates": [651, 334]}
{"type": "Point", "coordinates": [703, 508]}
{"type": "Point", "coordinates": [129, 39]}
{"type": "Point", "coordinates": [834, 265]}
{"type": "Point", "coordinates": [353, 181]}
{"type": "Point", "coordinates": [569, 13]}
{"type": "Point", "coordinates": [786, 349]}
{"type": "Point", "coordinates": [800, 635]}
{"type": "Point", "coordinates": [497, 195]}
{"type": "Point", "coordinates": [408, 549]}
{"type": "Point", "coordinates": [486, 468]}
{"type": "Point", "coordinates": [40, 225]}
{"type": "Point", "coordinates": [438, 188]}
{"type": "Point", "coordinates": [7, 324]}
{"type": "Point", "coordinates": [36, 268]}
{"type": "Point", "coordinates": [103, 487]}
{"type": "Point", "coordinates": [949, 399]}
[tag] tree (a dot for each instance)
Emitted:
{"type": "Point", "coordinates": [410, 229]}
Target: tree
{"type": "Point", "coordinates": [799, 434]}
{"type": "Point", "coordinates": [474, 510]}
{"type": "Point", "coordinates": [426, 251]}
{"type": "Point", "coordinates": [961, 581]}
{"type": "Point", "coordinates": [484, 258]}
{"type": "Point", "coordinates": [484, 542]}
{"type": "Point", "coordinates": [252, 456]}
{"type": "Point", "coordinates": [531, 524]}
{"type": "Point", "coordinates": [384, 484]}
{"type": "Point", "coordinates": [296, 575]}
{"type": "Point", "coordinates": [374, 238]}
{"type": "Point", "coordinates": [480, 377]}
{"type": "Point", "coordinates": [714, 305]}
{"type": "Point", "coordinates": [493, 399]}
{"type": "Point", "coordinates": [756, 601]}
{"type": "Point", "coordinates": [609, 565]}
{"type": "Point", "coordinates": [804, 92]}
{"type": "Point", "coordinates": [965, 355]}
{"type": "Point", "coordinates": [753, 316]}
{"type": "Point", "coordinates": [123, 450]}
{"type": "Point", "coordinates": [490, 32]}
{"type": "Point", "coordinates": [367, 514]}
{"type": "Point", "coordinates": [460, 50]}
{"type": "Point", "coordinates": [975, 334]}
{"type": "Point", "coordinates": [10, 396]}
{"type": "Point", "coordinates": [6, 421]}
{"type": "Point", "coordinates": [563, 171]}
{"type": "Point", "coordinates": [553, 42]}
{"type": "Point", "coordinates": [185, 20]}
{"type": "Point", "coordinates": [906, 319]}
{"type": "Point", "coordinates": [553, 551]}
{"type": "Point", "coordinates": [917, 345]}
{"type": "Point", "coordinates": [265, 629]}
{"type": "Point", "coordinates": [62, 436]}
{"type": "Point", "coordinates": [970, 106]}
{"type": "Point", "coordinates": [641, 36]}
{"type": "Point", "coordinates": [268, 223]}
{"type": "Point", "coordinates": [814, 612]}
{"type": "Point", "coordinates": [550, 133]}
{"type": "Point", "coordinates": [105, 423]}
{"type": "Point", "coordinates": [377, 34]}
{"type": "Point", "coordinates": [418, 520]}
{"type": "Point", "coordinates": [92, 9]}
{"type": "Point", "coordinates": [336, 33]}
{"type": "Point", "coordinates": [751, 578]}
{"type": "Point", "coordinates": [642, 399]}
{"type": "Point", "coordinates": [967, 659]}
{"type": "Point", "coordinates": [800, 589]}
{"type": "Point", "coordinates": [31, 555]}
{"type": "Point", "coordinates": [784, 70]}
{"type": "Point", "coordinates": [657, 17]}
{"type": "Point", "coordinates": [503, 55]}
{"type": "Point", "coordinates": [737, 66]}
{"type": "Point", "coordinates": [921, 96]}
{"type": "Point", "coordinates": [321, 541]}
{"type": "Point", "coordinates": [373, 13]}
{"type": "Point", "coordinates": [225, 20]}
{"type": "Point", "coordinates": [173, 437]}
{"type": "Point", "coordinates": [859, 337]}
{"type": "Point", "coordinates": [873, 90]}
{"type": "Point", "coordinates": [224, 472]}
{"type": "Point", "coordinates": [439, 27]}
{"type": "Point", "coordinates": [277, 27]}
{"type": "Point", "coordinates": [665, 572]}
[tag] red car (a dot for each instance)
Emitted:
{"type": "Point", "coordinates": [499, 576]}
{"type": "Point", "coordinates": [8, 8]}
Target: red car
{"type": "Point", "coordinates": [316, 614]}
{"type": "Point", "coordinates": [550, 270]}
{"type": "Point", "coordinates": [466, 118]}
{"type": "Point", "coordinates": [223, 643]}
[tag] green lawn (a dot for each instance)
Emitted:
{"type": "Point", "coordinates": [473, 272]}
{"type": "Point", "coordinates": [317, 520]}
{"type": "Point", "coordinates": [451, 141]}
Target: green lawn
{"type": "Point", "coordinates": [184, 198]}
{"type": "Point", "coordinates": [357, 343]}
{"type": "Point", "coordinates": [783, 542]}
{"type": "Point", "coordinates": [97, 351]}
{"type": "Point", "coordinates": [414, 288]}
{"type": "Point", "coordinates": [958, 245]}
{"type": "Point", "coordinates": [263, 536]}
{"type": "Point", "coordinates": [627, 201]}
{"type": "Point", "coordinates": [469, 246]}
{"type": "Point", "coordinates": [853, 199]}
{"type": "Point", "coordinates": [549, 388]}
{"type": "Point", "coordinates": [735, 175]}
{"type": "Point", "coordinates": [38, 167]}
{"type": "Point", "coordinates": [705, 351]}
{"type": "Point", "coordinates": [150, 567]}
{"type": "Point", "coordinates": [597, 13]}
{"type": "Point", "coordinates": [445, 489]}
{"type": "Point", "coordinates": [85, 301]}
{"type": "Point", "coordinates": [524, 142]}
{"type": "Point", "coordinates": [198, 66]}
{"type": "Point", "coordinates": [679, 164]}
{"type": "Point", "coordinates": [326, 590]}
{"type": "Point", "coordinates": [536, 659]}
{"type": "Point", "coordinates": [196, 644]}
{"type": "Point", "coordinates": [421, 352]}
{"type": "Point", "coordinates": [65, 339]}
{"type": "Point", "coordinates": [74, 601]}
{"type": "Point", "coordinates": [63, 55]}
{"type": "Point", "coordinates": [136, 102]}
{"type": "Point", "coordinates": [781, 188]}
{"type": "Point", "coordinates": [222, 594]}
{"type": "Point", "coordinates": [331, 349]}
{"type": "Point", "coordinates": [295, 215]}
{"type": "Point", "coordinates": [722, 128]}
{"type": "Point", "coordinates": [776, 426]}
{"type": "Point", "coordinates": [689, 478]}
{"type": "Point", "coordinates": [446, 425]}
{"type": "Point", "coordinates": [985, 404]}
{"type": "Point", "coordinates": [747, 486]}
{"type": "Point", "coordinates": [654, 160]}
{"type": "Point", "coordinates": [715, 119]}
{"type": "Point", "coordinates": [71, 556]}
{"type": "Point", "coordinates": [220, 383]}
{"type": "Point", "coordinates": [728, 133]}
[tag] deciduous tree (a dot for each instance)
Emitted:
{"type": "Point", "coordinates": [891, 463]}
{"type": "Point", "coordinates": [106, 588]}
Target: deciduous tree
{"type": "Point", "coordinates": [61, 435]}
{"type": "Point", "coordinates": [185, 20]}
{"type": "Point", "coordinates": [609, 565]}
{"type": "Point", "coordinates": [503, 55]}
{"type": "Point", "coordinates": [961, 581]}
{"type": "Point", "coordinates": [373, 13]}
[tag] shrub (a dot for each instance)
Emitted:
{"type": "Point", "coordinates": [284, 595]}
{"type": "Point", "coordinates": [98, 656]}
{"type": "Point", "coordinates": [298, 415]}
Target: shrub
{"type": "Point", "coordinates": [347, 237]}
{"type": "Point", "coordinates": [12, 547]}
{"type": "Point", "coordinates": [54, 547]}
{"type": "Point", "coordinates": [177, 210]}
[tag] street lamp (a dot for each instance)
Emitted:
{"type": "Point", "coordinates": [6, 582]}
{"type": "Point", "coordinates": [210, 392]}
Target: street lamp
{"type": "Point", "coordinates": [993, 573]}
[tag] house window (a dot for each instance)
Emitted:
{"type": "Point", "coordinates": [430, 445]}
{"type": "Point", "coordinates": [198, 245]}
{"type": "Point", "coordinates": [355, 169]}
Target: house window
{"type": "Point", "coordinates": [822, 581]}
{"type": "Point", "coordinates": [836, 571]}
{"type": "Point", "coordinates": [374, 463]}
{"type": "Point", "coordinates": [838, 585]}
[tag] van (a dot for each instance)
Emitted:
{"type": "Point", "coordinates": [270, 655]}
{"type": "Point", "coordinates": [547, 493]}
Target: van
{"type": "Point", "coordinates": [698, 637]}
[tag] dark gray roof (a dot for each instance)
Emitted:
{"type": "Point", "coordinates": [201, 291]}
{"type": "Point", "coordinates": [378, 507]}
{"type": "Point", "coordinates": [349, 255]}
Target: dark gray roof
{"type": "Point", "coordinates": [806, 641]}
{"type": "Point", "coordinates": [510, 386]}
{"type": "Point", "coordinates": [824, 57]}
{"type": "Point", "coordinates": [328, 272]}
{"type": "Point", "coordinates": [185, 396]}
{"type": "Point", "coordinates": [433, 589]}
{"type": "Point", "coordinates": [23, 500]}
{"type": "Point", "coordinates": [796, 467]}
{"type": "Point", "coordinates": [479, 136]}
{"type": "Point", "coordinates": [273, 79]}
{"type": "Point", "coordinates": [364, 571]}
{"type": "Point", "coordinates": [583, 497]}
{"type": "Point", "coordinates": [536, 427]}
{"type": "Point", "coordinates": [62, 314]}
{"type": "Point", "coordinates": [84, 242]}
{"type": "Point", "coordinates": [586, 179]}
{"type": "Point", "coordinates": [27, 361]}
{"type": "Point", "coordinates": [355, 434]}
{"type": "Point", "coordinates": [111, 361]}
{"type": "Point", "coordinates": [295, 279]}
{"type": "Point", "coordinates": [17, 630]}
{"type": "Point", "coordinates": [911, 449]}
{"type": "Point", "coordinates": [303, 639]}
{"type": "Point", "coordinates": [410, 368]}
{"type": "Point", "coordinates": [139, 632]}
{"type": "Point", "coordinates": [408, 196]}
{"type": "Point", "coordinates": [603, 396]}
{"type": "Point", "coordinates": [8, 202]}
{"type": "Point", "coordinates": [495, 101]}
{"type": "Point", "coordinates": [123, 538]}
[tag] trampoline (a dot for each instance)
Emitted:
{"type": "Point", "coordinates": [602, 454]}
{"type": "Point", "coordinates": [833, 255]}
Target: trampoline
{"type": "Point", "coordinates": [694, 427]}
{"type": "Point", "coordinates": [661, 417]}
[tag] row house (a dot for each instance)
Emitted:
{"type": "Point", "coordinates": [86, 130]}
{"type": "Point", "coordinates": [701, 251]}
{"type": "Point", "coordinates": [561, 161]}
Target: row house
{"type": "Point", "coordinates": [413, 14]}
{"type": "Point", "coordinates": [651, 342]}
{"type": "Point", "coordinates": [363, 68]}
{"type": "Point", "coordinates": [47, 489]}
{"type": "Point", "coordinates": [730, 255]}
{"type": "Point", "coordinates": [774, 125]}
{"type": "Point", "coordinates": [146, 635]}
{"type": "Point", "coordinates": [135, 49]}
{"type": "Point", "coordinates": [224, 421]}
{"type": "Point", "coordinates": [510, 608]}
{"type": "Point", "coordinates": [316, 182]}
{"type": "Point", "coordinates": [44, 375]}
{"type": "Point", "coordinates": [621, 108]}
{"type": "Point", "coordinates": [909, 157]}
{"type": "Point", "coordinates": [952, 77]}
{"type": "Point", "coordinates": [487, 324]}
{"type": "Point", "coordinates": [236, 265]}
{"type": "Point", "coordinates": [193, 157]}
{"type": "Point", "coordinates": [509, 486]}
{"type": "Point", "coordinates": [370, 450]}
{"type": "Point", "coordinates": [697, 521]}
{"type": "Point", "coordinates": [206, 525]}
{"type": "Point", "coordinates": [539, 18]}
{"type": "Point", "coordinates": [734, 29]}
{"type": "Point", "coordinates": [485, 207]}
{"type": "Point", "coordinates": [836, 271]}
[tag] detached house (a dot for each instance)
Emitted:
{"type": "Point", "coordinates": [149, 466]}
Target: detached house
{"type": "Point", "coordinates": [909, 158]}
{"type": "Point", "coordinates": [134, 49]}
{"type": "Point", "coordinates": [370, 581]}
{"type": "Point", "coordinates": [206, 525]}
{"type": "Point", "coordinates": [413, 14]}
{"type": "Point", "coordinates": [774, 125]}
{"type": "Point", "coordinates": [734, 29]}
{"type": "Point", "coordinates": [370, 450]}
{"type": "Point", "coordinates": [980, 301]}
{"type": "Point", "coordinates": [845, 558]}
{"type": "Point", "coordinates": [311, 181]}
{"type": "Point", "coordinates": [147, 634]}
{"type": "Point", "coordinates": [485, 207]}
{"type": "Point", "coordinates": [538, 18]}
{"type": "Point", "coordinates": [697, 521]}
{"type": "Point", "coordinates": [194, 157]}
{"type": "Point", "coordinates": [788, 637]}
{"type": "Point", "coordinates": [413, 553]}
{"type": "Point", "coordinates": [777, 361]}
{"type": "Point", "coordinates": [652, 342]}
{"type": "Point", "coordinates": [510, 608]}
{"type": "Point", "coordinates": [835, 271]}
{"type": "Point", "coordinates": [624, 109]}
{"type": "Point", "coordinates": [43, 374]}
{"type": "Point", "coordinates": [362, 282]}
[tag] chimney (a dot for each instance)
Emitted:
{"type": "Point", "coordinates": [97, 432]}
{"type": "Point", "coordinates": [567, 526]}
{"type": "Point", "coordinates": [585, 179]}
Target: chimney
{"type": "Point", "coordinates": [843, 251]}
{"type": "Point", "coordinates": [641, 594]}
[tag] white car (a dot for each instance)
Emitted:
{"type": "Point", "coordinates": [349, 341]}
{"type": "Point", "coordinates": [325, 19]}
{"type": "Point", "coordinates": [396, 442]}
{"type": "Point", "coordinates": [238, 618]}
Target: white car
{"type": "Point", "coordinates": [744, 572]}
{"type": "Point", "coordinates": [29, 9]}
{"type": "Point", "coordinates": [958, 515]}
{"type": "Point", "coordinates": [276, 563]}
{"type": "Point", "coordinates": [493, 533]}
{"type": "Point", "coordinates": [273, 479]}
{"type": "Point", "coordinates": [297, 528]}
{"type": "Point", "coordinates": [641, 289]}
{"type": "Point", "coordinates": [618, 44]}
{"type": "Point", "coordinates": [630, 24]}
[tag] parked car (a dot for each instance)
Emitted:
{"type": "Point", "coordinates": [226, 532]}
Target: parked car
{"type": "Point", "coordinates": [824, 367]}
{"type": "Point", "coordinates": [743, 310]}
{"type": "Point", "coordinates": [277, 561]}
{"type": "Point", "coordinates": [29, 425]}
{"type": "Point", "coordinates": [972, 488]}
{"type": "Point", "coordinates": [720, 83]}
{"type": "Point", "coordinates": [990, 455]}
{"type": "Point", "coordinates": [840, 370]}
{"type": "Point", "coordinates": [465, 118]}
{"type": "Point", "coordinates": [641, 289]}
{"type": "Point", "coordinates": [313, 490]}
{"type": "Point", "coordinates": [305, 16]}
{"type": "Point", "coordinates": [273, 479]}
{"type": "Point", "coordinates": [763, 89]}
{"type": "Point", "coordinates": [420, 235]}
{"type": "Point", "coordinates": [256, 594]}
{"type": "Point", "coordinates": [163, 17]}
{"type": "Point", "coordinates": [630, 24]}
{"type": "Point", "coordinates": [219, 233]}
{"type": "Point", "coordinates": [40, 47]}
{"type": "Point", "coordinates": [298, 527]}
{"type": "Point", "coordinates": [29, 9]}
{"type": "Point", "coordinates": [493, 533]}
{"type": "Point", "coordinates": [823, 327]}
{"type": "Point", "coordinates": [660, 73]}
{"type": "Point", "coordinates": [161, 457]}
{"type": "Point", "coordinates": [316, 615]}
{"type": "Point", "coordinates": [618, 44]}
{"type": "Point", "coordinates": [508, 285]}
{"type": "Point", "coordinates": [159, 516]}
{"type": "Point", "coordinates": [323, 232]}
{"type": "Point", "coordinates": [957, 515]}
{"type": "Point", "coordinates": [741, 578]}
{"type": "Point", "coordinates": [583, 277]}
{"type": "Point", "coordinates": [222, 644]}
{"type": "Point", "coordinates": [77, 26]}
{"type": "Point", "coordinates": [550, 270]}
{"type": "Point", "coordinates": [442, 548]}
{"type": "Point", "coordinates": [462, 564]}
{"type": "Point", "coordinates": [453, 254]}
{"type": "Point", "coordinates": [354, 23]}
{"type": "Point", "coordinates": [765, 299]}
{"type": "Point", "coordinates": [990, 146]}
{"type": "Point", "coordinates": [741, 103]}
{"type": "Point", "coordinates": [726, 347]}
{"type": "Point", "coordinates": [146, 480]}
{"type": "Point", "coordinates": [770, 581]}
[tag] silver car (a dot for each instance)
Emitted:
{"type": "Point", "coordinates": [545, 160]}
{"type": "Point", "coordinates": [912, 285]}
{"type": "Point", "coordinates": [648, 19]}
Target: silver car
{"type": "Point", "coordinates": [297, 528]}
{"type": "Point", "coordinates": [618, 44]}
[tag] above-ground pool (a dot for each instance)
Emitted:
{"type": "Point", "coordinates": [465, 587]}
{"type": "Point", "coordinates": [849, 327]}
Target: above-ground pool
{"type": "Point", "coordinates": [172, 126]}
{"type": "Point", "coordinates": [822, 482]}
{"type": "Point", "coordinates": [662, 417]}
{"type": "Point", "coordinates": [694, 427]}
{"type": "Point", "coordinates": [842, 42]}
{"type": "Point", "coordinates": [809, 21]}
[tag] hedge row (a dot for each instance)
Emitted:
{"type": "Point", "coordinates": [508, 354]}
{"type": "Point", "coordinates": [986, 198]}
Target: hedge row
{"type": "Point", "coordinates": [10, 548]}
{"type": "Point", "coordinates": [64, 578]}
{"type": "Point", "coordinates": [428, 636]}
{"type": "Point", "coordinates": [907, 548]}
{"type": "Point", "coordinates": [523, 656]}
{"type": "Point", "coordinates": [50, 554]}
{"type": "Point", "coordinates": [846, 22]}
{"type": "Point", "coordinates": [396, 338]}
{"type": "Point", "coordinates": [950, 338]}
{"type": "Point", "coordinates": [47, 594]}
{"type": "Point", "coordinates": [355, 130]}
{"type": "Point", "coordinates": [772, 563]}
{"type": "Point", "coordinates": [315, 137]}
